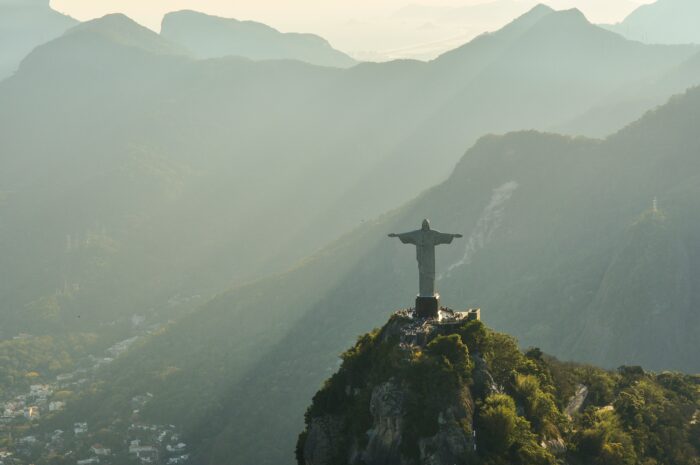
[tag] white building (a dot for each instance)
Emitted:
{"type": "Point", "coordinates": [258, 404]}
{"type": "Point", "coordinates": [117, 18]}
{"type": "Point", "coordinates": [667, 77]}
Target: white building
{"type": "Point", "coordinates": [100, 450]}
{"type": "Point", "coordinates": [178, 460]}
{"type": "Point", "coordinates": [180, 447]}
{"type": "Point", "coordinates": [28, 440]}
{"type": "Point", "coordinates": [57, 435]}
{"type": "Point", "coordinates": [40, 390]}
{"type": "Point", "coordinates": [64, 377]}
{"type": "Point", "coordinates": [80, 428]}
{"type": "Point", "coordinates": [147, 454]}
{"type": "Point", "coordinates": [90, 461]}
{"type": "Point", "coordinates": [56, 406]}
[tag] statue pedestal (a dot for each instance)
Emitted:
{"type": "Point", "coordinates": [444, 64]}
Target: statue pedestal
{"type": "Point", "coordinates": [427, 307]}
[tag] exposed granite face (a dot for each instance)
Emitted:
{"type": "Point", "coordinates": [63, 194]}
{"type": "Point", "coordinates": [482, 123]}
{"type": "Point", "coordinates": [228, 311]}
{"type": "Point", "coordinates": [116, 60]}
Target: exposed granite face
{"type": "Point", "coordinates": [450, 446]}
{"type": "Point", "coordinates": [483, 381]}
{"type": "Point", "coordinates": [382, 443]}
{"type": "Point", "coordinates": [453, 443]}
{"type": "Point", "coordinates": [324, 437]}
{"type": "Point", "coordinates": [577, 400]}
{"type": "Point", "coordinates": [387, 409]}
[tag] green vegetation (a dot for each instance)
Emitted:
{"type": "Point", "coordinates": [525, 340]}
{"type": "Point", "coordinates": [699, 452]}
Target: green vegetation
{"type": "Point", "coordinates": [628, 417]}
{"type": "Point", "coordinates": [434, 376]}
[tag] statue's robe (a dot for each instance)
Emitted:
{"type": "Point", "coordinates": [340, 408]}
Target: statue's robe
{"type": "Point", "coordinates": [425, 241]}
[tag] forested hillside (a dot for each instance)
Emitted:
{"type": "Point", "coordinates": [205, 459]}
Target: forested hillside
{"type": "Point", "coordinates": [455, 392]}
{"type": "Point", "coordinates": [562, 248]}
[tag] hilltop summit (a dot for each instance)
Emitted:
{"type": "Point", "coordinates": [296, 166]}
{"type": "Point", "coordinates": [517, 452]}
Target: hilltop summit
{"type": "Point", "coordinates": [450, 391]}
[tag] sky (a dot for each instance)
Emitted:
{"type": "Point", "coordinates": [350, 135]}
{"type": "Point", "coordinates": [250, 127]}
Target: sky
{"type": "Point", "coordinates": [366, 29]}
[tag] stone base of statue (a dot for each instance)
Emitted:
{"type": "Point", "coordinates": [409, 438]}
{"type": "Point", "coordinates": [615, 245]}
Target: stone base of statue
{"type": "Point", "coordinates": [427, 307]}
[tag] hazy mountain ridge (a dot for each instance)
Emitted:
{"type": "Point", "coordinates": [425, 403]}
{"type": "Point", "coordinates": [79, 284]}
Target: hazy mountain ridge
{"type": "Point", "coordinates": [201, 130]}
{"type": "Point", "coordinates": [121, 30]}
{"type": "Point", "coordinates": [553, 48]}
{"type": "Point", "coordinates": [662, 22]}
{"type": "Point", "coordinates": [214, 37]}
{"type": "Point", "coordinates": [24, 25]}
{"type": "Point", "coordinates": [192, 119]}
{"type": "Point", "coordinates": [653, 270]}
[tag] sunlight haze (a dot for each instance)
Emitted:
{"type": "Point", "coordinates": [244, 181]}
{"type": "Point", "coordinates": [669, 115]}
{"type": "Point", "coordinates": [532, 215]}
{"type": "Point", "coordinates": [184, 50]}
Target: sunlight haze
{"type": "Point", "coordinates": [206, 206]}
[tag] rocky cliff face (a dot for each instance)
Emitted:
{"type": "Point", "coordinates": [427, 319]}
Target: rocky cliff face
{"type": "Point", "coordinates": [388, 433]}
{"type": "Point", "coordinates": [449, 391]}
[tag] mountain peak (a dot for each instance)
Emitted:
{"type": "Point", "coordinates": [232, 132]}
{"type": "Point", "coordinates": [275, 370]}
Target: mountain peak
{"type": "Point", "coordinates": [114, 22]}
{"type": "Point", "coordinates": [573, 14]}
{"type": "Point", "coordinates": [210, 36]}
{"type": "Point", "coordinates": [507, 34]}
{"type": "Point", "coordinates": [544, 21]}
{"type": "Point", "coordinates": [527, 20]}
{"type": "Point", "coordinates": [121, 29]}
{"type": "Point", "coordinates": [541, 8]}
{"type": "Point", "coordinates": [192, 19]}
{"type": "Point", "coordinates": [570, 17]}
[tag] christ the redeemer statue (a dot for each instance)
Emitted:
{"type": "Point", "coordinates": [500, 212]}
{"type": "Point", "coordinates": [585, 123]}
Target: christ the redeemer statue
{"type": "Point", "coordinates": [425, 240]}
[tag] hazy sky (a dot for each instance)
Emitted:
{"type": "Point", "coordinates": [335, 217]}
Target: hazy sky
{"type": "Point", "coordinates": [368, 29]}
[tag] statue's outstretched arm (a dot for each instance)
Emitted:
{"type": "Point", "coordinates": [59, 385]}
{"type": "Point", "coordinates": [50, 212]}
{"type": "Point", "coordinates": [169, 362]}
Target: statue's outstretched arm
{"type": "Point", "coordinates": [406, 238]}
{"type": "Point", "coordinates": [445, 238]}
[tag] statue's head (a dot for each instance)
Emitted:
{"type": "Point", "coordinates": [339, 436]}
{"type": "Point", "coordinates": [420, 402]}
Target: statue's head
{"type": "Point", "coordinates": [426, 225]}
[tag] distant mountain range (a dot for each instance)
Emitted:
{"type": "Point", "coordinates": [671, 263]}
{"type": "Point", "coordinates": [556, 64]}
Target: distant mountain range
{"type": "Point", "coordinates": [145, 150]}
{"type": "Point", "coordinates": [662, 22]}
{"type": "Point", "coordinates": [24, 25]}
{"type": "Point", "coordinates": [214, 37]}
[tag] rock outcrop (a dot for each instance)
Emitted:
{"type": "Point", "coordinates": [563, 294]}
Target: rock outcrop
{"type": "Point", "coordinates": [387, 409]}
{"type": "Point", "coordinates": [382, 414]}
{"type": "Point", "coordinates": [449, 391]}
